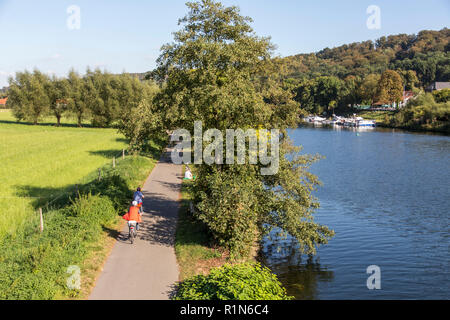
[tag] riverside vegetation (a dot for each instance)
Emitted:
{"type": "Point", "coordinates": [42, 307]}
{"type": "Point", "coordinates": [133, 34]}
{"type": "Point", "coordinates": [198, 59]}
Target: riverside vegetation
{"type": "Point", "coordinates": [427, 112]}
{"type": "Point", "coordinates": [430, 112]}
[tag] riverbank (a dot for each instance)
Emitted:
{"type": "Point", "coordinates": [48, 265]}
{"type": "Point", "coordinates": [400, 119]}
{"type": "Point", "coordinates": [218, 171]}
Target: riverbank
{"type": "Point", "coordinates": [196, 253]}
{"type": "Point", "coordinates": [385, 119]}
{"type": "Point", "coordinates": [208, 273]}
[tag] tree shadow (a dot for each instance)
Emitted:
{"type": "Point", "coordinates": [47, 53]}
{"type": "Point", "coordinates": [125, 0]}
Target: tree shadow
{"type": "Point", "coordinates": [122, 140]}
{"type": "Point", "coordinates": [190, 230]}
{"type": "Point", "coordinates": [47, 124]}
{"type": "Point", "coordinates": [108, 154]}
{"type": "Point", "coordinates": [159, 220]}
{"type": "Point", "coordinates": [172, 186]}
{"type": "Point", "coordinates": [111, 186]}
{"type": "Point", "coordinates": [46, 196]}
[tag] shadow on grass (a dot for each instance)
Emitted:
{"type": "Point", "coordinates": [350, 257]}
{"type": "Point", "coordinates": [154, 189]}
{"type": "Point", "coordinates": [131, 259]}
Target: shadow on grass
{"type": "Point", "coordinates": [44, 197]}
{"type": "Point", "coordinates": [47, 124]}
{"type": "Point", "coordinates": [108, 154]}
{"type": "Point", "coordinates": [111, 232]}
{"type": "Point", "coordinates": [122, 140]}
{"type": "Point", "coordinates": [190, 230]}
{"type": "Point", "coordinates": [111, 186]}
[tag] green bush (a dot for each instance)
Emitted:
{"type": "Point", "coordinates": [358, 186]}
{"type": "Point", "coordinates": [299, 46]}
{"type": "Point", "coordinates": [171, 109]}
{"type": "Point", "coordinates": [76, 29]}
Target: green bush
{"type": "Point", "coordinates": [226, 202]}
{"type": "Point", "coordinates": [424, 113]}
{"type": "Point", "coordinates": [34, 265]}
{"type": "Point", "coordinates": [248, 281]}
{"type": "Point", "coordinates": [94, 209]}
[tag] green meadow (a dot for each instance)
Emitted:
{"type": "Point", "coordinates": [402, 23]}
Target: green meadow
{"type": "Point", "coordinates": [39, 163]}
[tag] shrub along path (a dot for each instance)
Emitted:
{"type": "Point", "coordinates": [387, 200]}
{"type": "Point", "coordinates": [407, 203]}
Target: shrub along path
{"type": "Point", "coordinates": [147, 270]}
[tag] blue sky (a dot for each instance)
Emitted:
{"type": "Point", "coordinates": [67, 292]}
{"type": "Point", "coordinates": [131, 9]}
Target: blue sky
{"type": "Point", "coordinates": [126, 35]}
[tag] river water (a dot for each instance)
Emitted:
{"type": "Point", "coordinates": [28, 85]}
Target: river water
{"type": "Point", "coordinates": [386, 193]}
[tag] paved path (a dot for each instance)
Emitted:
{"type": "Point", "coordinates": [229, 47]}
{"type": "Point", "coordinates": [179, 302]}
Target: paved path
{"type": "Point", "coordinates": [147, 270]}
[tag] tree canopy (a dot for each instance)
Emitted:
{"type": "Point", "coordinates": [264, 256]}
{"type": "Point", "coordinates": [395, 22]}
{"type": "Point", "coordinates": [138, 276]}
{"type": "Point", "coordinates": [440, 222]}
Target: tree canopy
{"type": "Point", "coordinates": [219, 72]}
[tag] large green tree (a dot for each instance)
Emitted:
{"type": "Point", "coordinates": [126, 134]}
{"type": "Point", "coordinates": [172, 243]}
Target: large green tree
{"type": "Point", "coordinates": [28, 96]}
{"type": "Point", "coordinates": [368, 88]}
{"type": "Point", "coordinates": [219, 72]}
{"type": "Point", "coordinates": [390, 87]}
{"type": "Point", "coordinates": [77, 104]}
{"type": "Point", "coordinates": [328, 92]}
{"type": "Point", "coordinates": [58, 91]}
{"type": "Point", "coordinates": [139, 118]}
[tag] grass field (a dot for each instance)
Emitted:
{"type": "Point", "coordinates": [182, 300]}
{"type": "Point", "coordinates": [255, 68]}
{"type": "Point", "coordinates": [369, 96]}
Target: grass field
{"type": "Point", "coordinates": [38, 163]}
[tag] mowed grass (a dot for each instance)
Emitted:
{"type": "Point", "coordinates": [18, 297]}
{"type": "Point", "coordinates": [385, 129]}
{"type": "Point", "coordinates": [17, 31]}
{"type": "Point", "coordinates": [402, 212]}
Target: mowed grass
{"type": "Point", "coordinates": [39, 163]}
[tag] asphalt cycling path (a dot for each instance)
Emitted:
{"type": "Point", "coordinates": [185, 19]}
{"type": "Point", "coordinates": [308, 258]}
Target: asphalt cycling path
{"type": "Point", "coordinates": [147, 269]}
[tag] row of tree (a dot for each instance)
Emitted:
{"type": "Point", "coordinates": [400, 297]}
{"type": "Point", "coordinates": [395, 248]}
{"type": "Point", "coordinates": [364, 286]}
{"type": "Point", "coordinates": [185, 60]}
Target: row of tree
{"type": "Point", "coordinates": [325, 93]}
{"type": "Point", "coordinates": [100, 97]}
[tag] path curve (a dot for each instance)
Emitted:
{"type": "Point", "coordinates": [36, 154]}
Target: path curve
{"type": "Point", "coordinates": [147, 270]}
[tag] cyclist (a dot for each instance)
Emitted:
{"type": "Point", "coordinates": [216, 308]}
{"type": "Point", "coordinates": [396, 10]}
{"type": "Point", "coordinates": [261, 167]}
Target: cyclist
{"type": "Point", "coordinates": [139, 197]}
{"type": "Point", "coordinates": [133, 214]}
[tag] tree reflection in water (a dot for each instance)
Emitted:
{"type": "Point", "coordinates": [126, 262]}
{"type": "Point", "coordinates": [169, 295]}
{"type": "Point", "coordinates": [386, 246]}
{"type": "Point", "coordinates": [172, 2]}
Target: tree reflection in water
{"type": "Point", "coordinates": [299, 274]}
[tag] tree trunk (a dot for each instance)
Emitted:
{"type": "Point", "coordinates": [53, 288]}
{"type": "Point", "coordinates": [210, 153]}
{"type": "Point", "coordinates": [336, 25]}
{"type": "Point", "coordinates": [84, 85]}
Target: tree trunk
{"type": "Point", "coordinates": [58, 118]}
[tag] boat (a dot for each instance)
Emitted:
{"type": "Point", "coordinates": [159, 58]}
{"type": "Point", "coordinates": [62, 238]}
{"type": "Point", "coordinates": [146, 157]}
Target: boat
{"type": "Point", "coordinates": [367, 123]}
{"type": "Point", "coordinates": [317, 119]}
{"type": "Point", "coordinates": [337, 120]}
{"type": "Point", "coordinates": [314, 119]}
{"type": "Point", "coordinates": [353, 122]}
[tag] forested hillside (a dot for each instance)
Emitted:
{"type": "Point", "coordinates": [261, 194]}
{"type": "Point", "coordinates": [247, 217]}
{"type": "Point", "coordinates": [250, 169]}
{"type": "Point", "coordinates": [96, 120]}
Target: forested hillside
{"type": "Point", "coordinates": [426, 53]}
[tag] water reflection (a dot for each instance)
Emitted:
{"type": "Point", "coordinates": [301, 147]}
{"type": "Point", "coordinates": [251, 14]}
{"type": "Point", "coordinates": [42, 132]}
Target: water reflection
{"type": "Point", "coordinates": [299, 274]}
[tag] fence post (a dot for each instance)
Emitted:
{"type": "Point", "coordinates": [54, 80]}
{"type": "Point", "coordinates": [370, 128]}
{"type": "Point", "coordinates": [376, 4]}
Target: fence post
{"type": "Point", "coordinates": [123, 154]}
{"type": "Point", "coordinates": [114, 162]}
{"type": "Point", "coordinates": [41, 220]}
{"type": "Point", "coordinates": [99, 174]}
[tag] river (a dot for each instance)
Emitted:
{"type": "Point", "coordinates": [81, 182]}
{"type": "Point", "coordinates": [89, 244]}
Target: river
{"type": "Point", "coordinates": [386, 193]}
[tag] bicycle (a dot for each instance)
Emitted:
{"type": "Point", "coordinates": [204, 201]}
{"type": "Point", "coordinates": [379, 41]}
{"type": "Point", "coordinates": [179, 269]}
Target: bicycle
{"type": "Point", "coordinates": [132, 230]}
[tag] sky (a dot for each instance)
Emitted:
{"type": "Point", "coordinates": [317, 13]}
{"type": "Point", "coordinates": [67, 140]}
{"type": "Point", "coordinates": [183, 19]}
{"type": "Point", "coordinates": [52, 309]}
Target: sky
{"type": "Point", "coordinates": [126, 35]}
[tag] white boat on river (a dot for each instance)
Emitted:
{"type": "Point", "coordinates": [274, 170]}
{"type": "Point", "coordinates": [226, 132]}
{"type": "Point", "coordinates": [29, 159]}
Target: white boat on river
{"type": "Point", "coordinates": [354, 122]}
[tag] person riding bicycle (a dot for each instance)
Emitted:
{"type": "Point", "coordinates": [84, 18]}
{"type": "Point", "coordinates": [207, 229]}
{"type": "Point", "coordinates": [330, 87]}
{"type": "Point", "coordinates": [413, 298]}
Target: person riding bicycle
{"type": "Point", "coordinates": [133, 214]}
{"type": "Point", "coordinates": [139, 198]}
